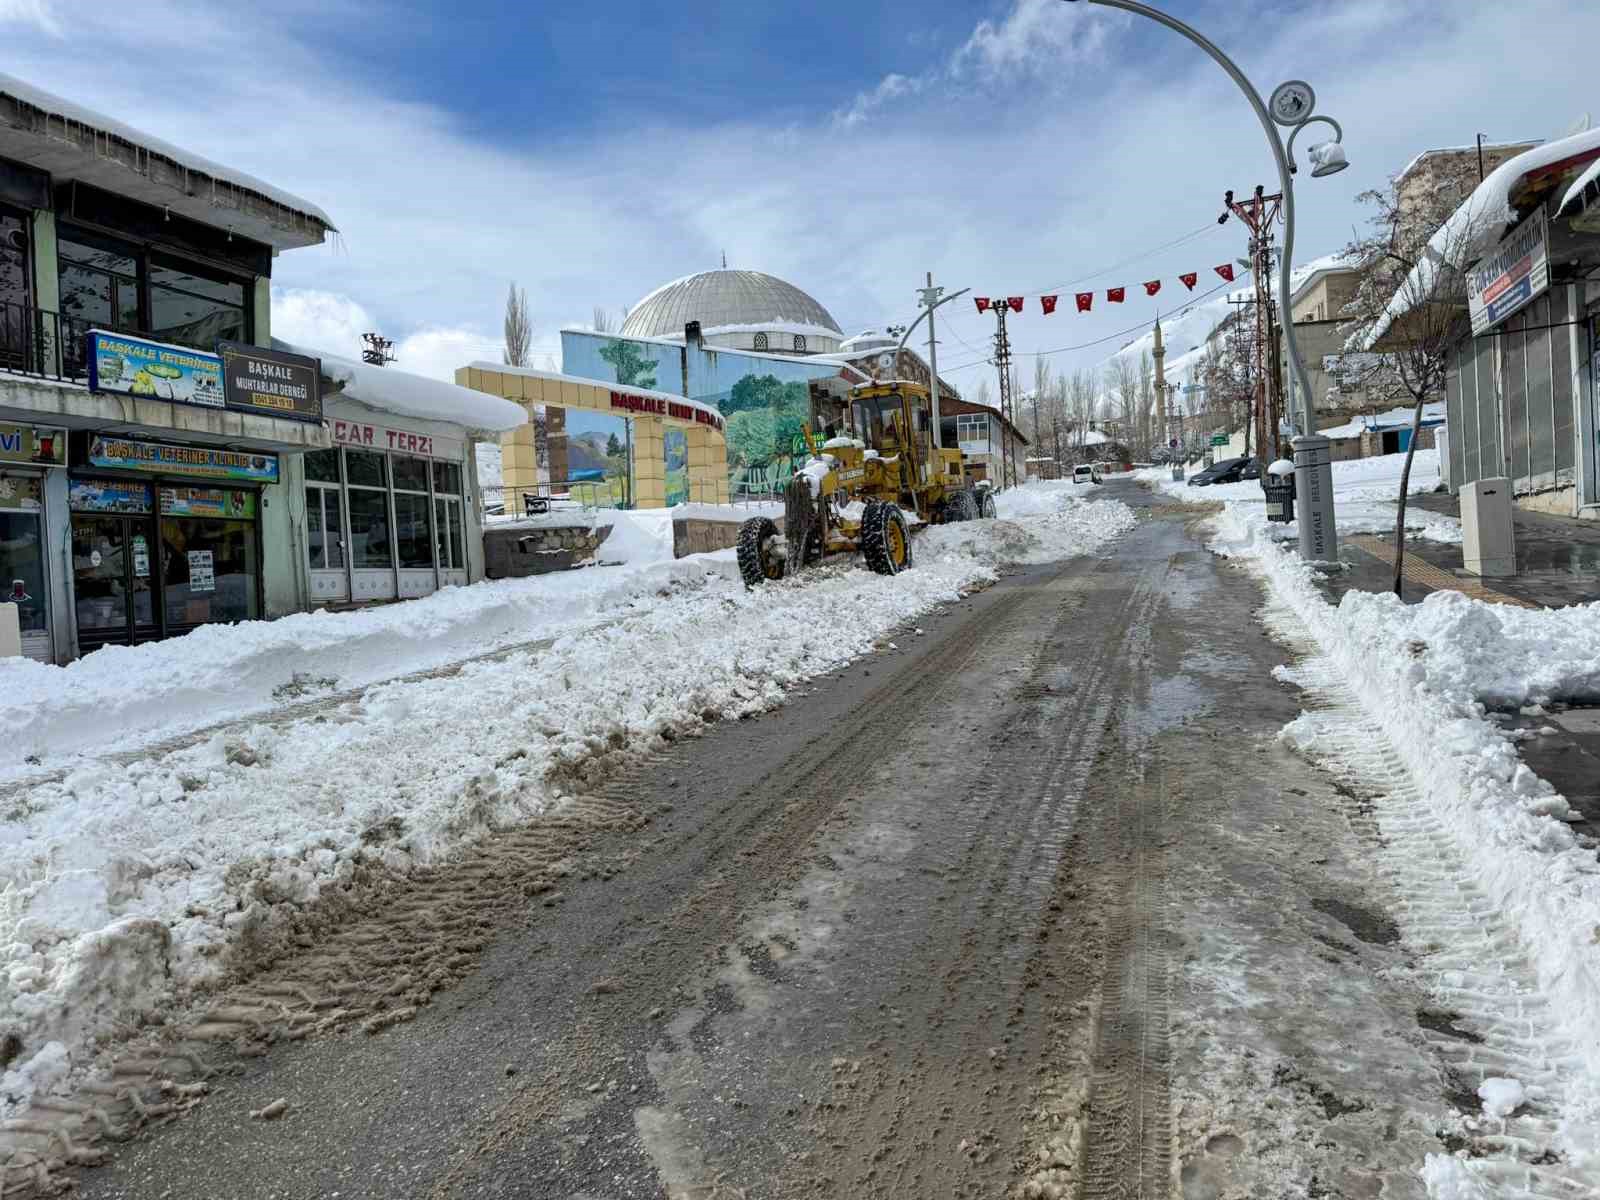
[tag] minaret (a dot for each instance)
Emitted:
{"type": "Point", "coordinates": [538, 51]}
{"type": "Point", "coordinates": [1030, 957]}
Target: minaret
{"type": "Point", "coordinates": [1160, 355]}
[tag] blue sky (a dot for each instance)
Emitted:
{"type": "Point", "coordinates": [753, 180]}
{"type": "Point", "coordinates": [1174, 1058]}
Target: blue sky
{"type": "Point", "coordinates": [592, 152]}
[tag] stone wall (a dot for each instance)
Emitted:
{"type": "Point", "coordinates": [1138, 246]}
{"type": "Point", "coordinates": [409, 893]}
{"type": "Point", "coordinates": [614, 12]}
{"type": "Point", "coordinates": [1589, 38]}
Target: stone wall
{"type": "Point", "coordinates": [698, 535]}
{"type": "Point", "coordinates": [520, 549]}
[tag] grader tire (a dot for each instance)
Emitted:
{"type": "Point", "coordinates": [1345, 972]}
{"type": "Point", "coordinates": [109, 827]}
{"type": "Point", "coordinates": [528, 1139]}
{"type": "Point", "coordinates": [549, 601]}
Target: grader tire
{"type": "Point", "coordinates": [986, 509]}
{"type": "Point", "coordinates": [757, 564]}
{"type": "Point", "coordinates": [962, 506]}
{"type": "Point", "coordinates": [885, 538]}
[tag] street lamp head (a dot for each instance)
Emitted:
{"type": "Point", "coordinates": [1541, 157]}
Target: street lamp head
{"type": "Point", "coordinates": [1328, 159]}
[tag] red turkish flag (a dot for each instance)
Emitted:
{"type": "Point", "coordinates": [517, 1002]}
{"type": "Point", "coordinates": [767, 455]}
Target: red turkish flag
{"type": "Point", "coordinates": [1049, 303]}
{"type": "Point", "coordinates": [1226, 271]}
{"type": "Point", "coordinates": [982, 302]}
{"type": "Point", "coordinates": [1152, 287]}
{"type": "Point", "coordinates": [1085, 301]}
{"type": "Point", "coordinates": [1114, 295]}
{"type": "Point", "coordinates": [1190, 279]}
{"type": "Point", "coordinates": [1015, 302]}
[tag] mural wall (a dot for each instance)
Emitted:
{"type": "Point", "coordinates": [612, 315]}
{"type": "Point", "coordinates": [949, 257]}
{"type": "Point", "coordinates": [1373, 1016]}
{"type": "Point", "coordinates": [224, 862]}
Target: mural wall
{"type": "Point", "coordinates": [763, 397]}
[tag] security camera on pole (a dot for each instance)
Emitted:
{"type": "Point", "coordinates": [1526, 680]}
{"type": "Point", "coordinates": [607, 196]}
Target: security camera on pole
{"type": "Point", "coordinates": [1291, 105]}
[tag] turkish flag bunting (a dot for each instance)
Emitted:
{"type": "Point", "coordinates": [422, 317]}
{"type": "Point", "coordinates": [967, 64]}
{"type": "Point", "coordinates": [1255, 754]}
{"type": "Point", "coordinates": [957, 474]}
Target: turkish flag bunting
{"type": "Point", "coordinates": [1152, 287]}
{"type": "Point", "coordinates": [1226, 271]}
{"type": "Point", "coordinates": [1049, 303]}
{"type": "Point", "coordinates": [1085, 301]}
{"type": "Point", "coordinates": [1190, 279]}
{"type": "Point", "coordinates": [1114, 295]}
{"type": "Point", "coordinates": [1015, 302]}
{"type": "Point", "coordinates": [982, 302]}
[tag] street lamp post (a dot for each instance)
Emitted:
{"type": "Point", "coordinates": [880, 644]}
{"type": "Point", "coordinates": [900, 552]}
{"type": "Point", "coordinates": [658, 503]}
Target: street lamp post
{"type": "Point", "coordinates": [1290, 105]}
{"type": "Point", "coordinates": [931, 299]}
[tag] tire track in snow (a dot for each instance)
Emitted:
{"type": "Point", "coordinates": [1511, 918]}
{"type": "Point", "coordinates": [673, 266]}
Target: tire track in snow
{"type": "Point", "coordinates": [1468, 957]}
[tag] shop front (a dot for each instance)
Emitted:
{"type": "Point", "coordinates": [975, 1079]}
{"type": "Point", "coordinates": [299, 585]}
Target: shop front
{"type": "Point", "coordinates": [27, 454]}
{"type": "Point", "coordinates": [386, 511]}
{"type": "Point", "coordinates": [164, 538]}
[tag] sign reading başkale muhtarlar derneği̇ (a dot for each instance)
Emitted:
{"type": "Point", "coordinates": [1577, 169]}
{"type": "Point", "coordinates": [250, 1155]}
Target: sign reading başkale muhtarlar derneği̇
{"type": "Point", "coordinates": [271, 382]}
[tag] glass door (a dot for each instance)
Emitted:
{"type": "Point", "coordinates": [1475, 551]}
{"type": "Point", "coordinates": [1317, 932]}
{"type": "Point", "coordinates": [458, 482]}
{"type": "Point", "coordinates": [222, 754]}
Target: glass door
{"type": "Point", "coordinates": [16, 295]}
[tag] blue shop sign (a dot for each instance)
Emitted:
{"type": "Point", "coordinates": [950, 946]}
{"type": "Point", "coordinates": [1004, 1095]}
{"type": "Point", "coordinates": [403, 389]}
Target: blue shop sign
{"type": "Point", "coordinates": [153, 370]}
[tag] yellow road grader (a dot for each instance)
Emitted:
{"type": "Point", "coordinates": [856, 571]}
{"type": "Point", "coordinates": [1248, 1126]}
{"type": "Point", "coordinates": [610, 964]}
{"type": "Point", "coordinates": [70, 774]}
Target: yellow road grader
{"type": "Point", "coordinates": [873, 461]}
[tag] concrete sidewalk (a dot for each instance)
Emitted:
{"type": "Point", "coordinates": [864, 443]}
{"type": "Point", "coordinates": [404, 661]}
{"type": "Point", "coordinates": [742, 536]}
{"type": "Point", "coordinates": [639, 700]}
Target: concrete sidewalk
{"type": "Point", "coordinates": [1558, 562]}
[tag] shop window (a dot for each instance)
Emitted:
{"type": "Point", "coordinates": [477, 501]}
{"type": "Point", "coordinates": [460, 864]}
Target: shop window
{"type": "Point", "coordinates": [22, 568]}
{"type": "Point", "coordinates": [413, 530]}
{"type": "Point", "coordinates": [366, 468]}
{"type": "Point", "coordinates": [209, 570]}
{"type": "Point", "coordinates": [369, 529]}
{"type": "Point", "coordinates": [452, 547]}
{"type": "Point", "coordinates": [410, 474]}
{"type": "Point", "coordinates": [761, 341]}
{"type": "Point", "coordinates": [447, 478]}
{"type": "Point", "coordinates": [322, 466]}
{"type": "Point", "coordinates": [325, 528]}
{"type": "Point", "coordinates": [114, 285]}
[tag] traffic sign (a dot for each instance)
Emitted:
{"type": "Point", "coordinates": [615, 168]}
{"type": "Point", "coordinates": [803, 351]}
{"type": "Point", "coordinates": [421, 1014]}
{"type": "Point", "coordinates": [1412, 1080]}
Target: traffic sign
{"type": "Point", "coordinates": [1219, 439]}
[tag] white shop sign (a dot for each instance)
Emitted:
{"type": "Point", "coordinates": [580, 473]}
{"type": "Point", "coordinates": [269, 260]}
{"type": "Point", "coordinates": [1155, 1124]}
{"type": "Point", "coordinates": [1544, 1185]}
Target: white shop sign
{"type": "Point", "coordinates": [397, 441]}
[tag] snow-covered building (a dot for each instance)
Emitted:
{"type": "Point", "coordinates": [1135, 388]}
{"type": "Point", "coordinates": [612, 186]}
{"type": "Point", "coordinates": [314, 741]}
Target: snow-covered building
{"type": "Point", "coordinates": [140, 494]}
{"type": "Point", "coordinates": [154, 440]}
{"type": "Point", "coordinates": [1520, 386]}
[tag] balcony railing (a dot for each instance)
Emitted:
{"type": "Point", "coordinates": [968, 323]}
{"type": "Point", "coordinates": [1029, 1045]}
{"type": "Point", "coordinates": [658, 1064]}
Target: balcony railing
{"type": "Point", "coordinates": [38, 342]}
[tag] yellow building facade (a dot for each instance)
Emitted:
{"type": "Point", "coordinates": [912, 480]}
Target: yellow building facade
{"type": "Point", "coordinates": [651, 414]}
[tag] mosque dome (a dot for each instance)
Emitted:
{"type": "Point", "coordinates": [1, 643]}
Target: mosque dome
{"type": "Point", "coordinates": [747, 310]}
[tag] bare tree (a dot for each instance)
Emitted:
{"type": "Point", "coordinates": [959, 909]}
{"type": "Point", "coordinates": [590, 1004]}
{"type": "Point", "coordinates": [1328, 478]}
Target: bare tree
{"type": "Point", "coordinates": [1147, 397]}
{"type": "Point", "coordinates": [1081, 403]}
{"type": "Point", "coordinates": [1122, 385]}
{"type": "Point", "coordinates": [1410, 305]}
{"type": "Point", "coordinates": [1041, 395]}
{"type": "Point", "coordinates": [519, 328]}
{"type": "Point", "coordinates": [602, 321]}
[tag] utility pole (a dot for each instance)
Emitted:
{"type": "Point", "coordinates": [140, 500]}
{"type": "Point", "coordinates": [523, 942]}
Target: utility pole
{"type": "Point", "coordinates": [1258, 213]}
{"type": "Point", "coordinates": [930, 301]}
{"type": "Point", "coordinates": [1002, 363]}
{"type": "Point", "coordinates": [377, 351]}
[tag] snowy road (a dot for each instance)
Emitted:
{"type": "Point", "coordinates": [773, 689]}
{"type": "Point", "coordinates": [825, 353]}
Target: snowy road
{"type": "Point", "coordinates": [1037, 903]}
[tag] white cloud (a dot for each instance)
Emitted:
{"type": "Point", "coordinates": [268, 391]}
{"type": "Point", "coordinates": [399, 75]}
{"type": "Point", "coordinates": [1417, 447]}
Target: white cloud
{"type": "Point", "coordinates": [37, 14]}
{"type": "Point", "coordinates": [333, 324]}
{"type": "Point", "coordinates": [1107, 144]}
{"type": "Point", "coordinates": [891, 87]}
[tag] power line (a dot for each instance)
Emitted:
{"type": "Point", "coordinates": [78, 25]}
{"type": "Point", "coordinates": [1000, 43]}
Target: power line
{"type": "Point", "coordinates": [1117, 266]}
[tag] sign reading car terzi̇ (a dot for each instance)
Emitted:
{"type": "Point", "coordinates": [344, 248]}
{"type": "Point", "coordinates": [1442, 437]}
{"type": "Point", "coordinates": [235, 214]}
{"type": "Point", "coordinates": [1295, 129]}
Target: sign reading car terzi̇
{"type": "Point", "coordinates": [271, 382]}
{"type": "Point", "coordinates": [1514, 276]}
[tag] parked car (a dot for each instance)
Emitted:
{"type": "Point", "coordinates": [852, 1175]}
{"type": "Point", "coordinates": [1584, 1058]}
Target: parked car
{"type": "Point", "coordinates": [1228, 470]}
{"type": "Point", "coordinates": [1086, 473]}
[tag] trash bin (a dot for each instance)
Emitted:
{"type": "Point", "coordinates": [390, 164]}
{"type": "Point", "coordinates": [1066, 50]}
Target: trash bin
{"type": "Point", "coordinates": [1278, 484]}
{"type": "Point", "coordinates": [1488, 539]}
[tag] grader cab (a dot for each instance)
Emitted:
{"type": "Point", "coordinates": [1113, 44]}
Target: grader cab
{"type": "Point", "coordinates": [873, 475]}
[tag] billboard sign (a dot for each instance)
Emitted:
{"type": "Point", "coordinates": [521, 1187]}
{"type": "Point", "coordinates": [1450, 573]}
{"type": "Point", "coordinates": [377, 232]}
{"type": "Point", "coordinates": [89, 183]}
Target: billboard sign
{"type": "Point", "coordinates": [150, 370]}
{"type": "Point", "coordinates": [272, 383]}
{"type": "Point", "coordinates": [201, 462]}
{"type": "Point", "coordinates": [1515, 275]}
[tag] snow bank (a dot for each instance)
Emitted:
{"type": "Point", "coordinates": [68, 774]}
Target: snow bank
{"type": "Point", "coordinates": [1426, 672]}
{"type": "Point", "coordinates": [124, 887]}
{"type": "Point", "coordinates": [123, 696]}
{"type": "Point", "coordinates": [1364, 491]}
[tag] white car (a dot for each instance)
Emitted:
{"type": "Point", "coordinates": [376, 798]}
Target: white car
{"type": "Point", "coordinates": [1086, 473]}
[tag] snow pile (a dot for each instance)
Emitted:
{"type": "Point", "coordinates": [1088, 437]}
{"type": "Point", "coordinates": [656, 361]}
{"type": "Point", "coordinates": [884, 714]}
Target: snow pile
{"type": "Point", "coordinates": [1038, 523]}
{"type": "Point", "coordinates": [124, 887]}
{"type": "Point", "coordinates": [1426, 672]}
{"type": "Point", "coordinates": [121, 696]}
{"type": "Point", "coordinates": [1364, 491]}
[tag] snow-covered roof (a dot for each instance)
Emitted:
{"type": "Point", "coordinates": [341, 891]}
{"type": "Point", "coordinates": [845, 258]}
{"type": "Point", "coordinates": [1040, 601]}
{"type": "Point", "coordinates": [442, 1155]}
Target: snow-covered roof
{"type": "Point", "coordinates": [1470, 147]}
{"type": "Point", "coordinates": [1571, 202]}
{"type": "Point", "coordinates": [802, 328]}
{"type": "Point", "coordinates": [726, 299]}
{"type": "Point", "coordinates": [389, 390]}
{"type": "Point", "coordinates": [74, 142]}
{"type": "Point", "coordinates": [629, 389]}
{"type": "Point", "coordinates": [1395, 418]}
{"type": "Point", "coordinates": [1478, 224]}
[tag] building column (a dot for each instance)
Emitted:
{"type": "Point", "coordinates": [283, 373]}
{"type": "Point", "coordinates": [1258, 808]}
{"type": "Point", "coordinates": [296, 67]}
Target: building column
{"type": "Point", "coordinates": [707, 465]}
{"type": "Point", "coordinates": [649, 462]}
{"type": "Point", "coordinates": [519, 473]}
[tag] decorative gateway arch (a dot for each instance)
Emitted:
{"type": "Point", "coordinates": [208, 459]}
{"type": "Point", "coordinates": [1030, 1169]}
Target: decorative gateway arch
{"type": "Point", "coordinates": [535, 456]}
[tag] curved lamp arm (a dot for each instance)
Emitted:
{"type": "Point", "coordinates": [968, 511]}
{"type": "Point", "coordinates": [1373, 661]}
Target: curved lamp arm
{"type": "Point", "coordinates": [1338, 136]}
{"type": "Point", "coordinates": [912, 328]}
